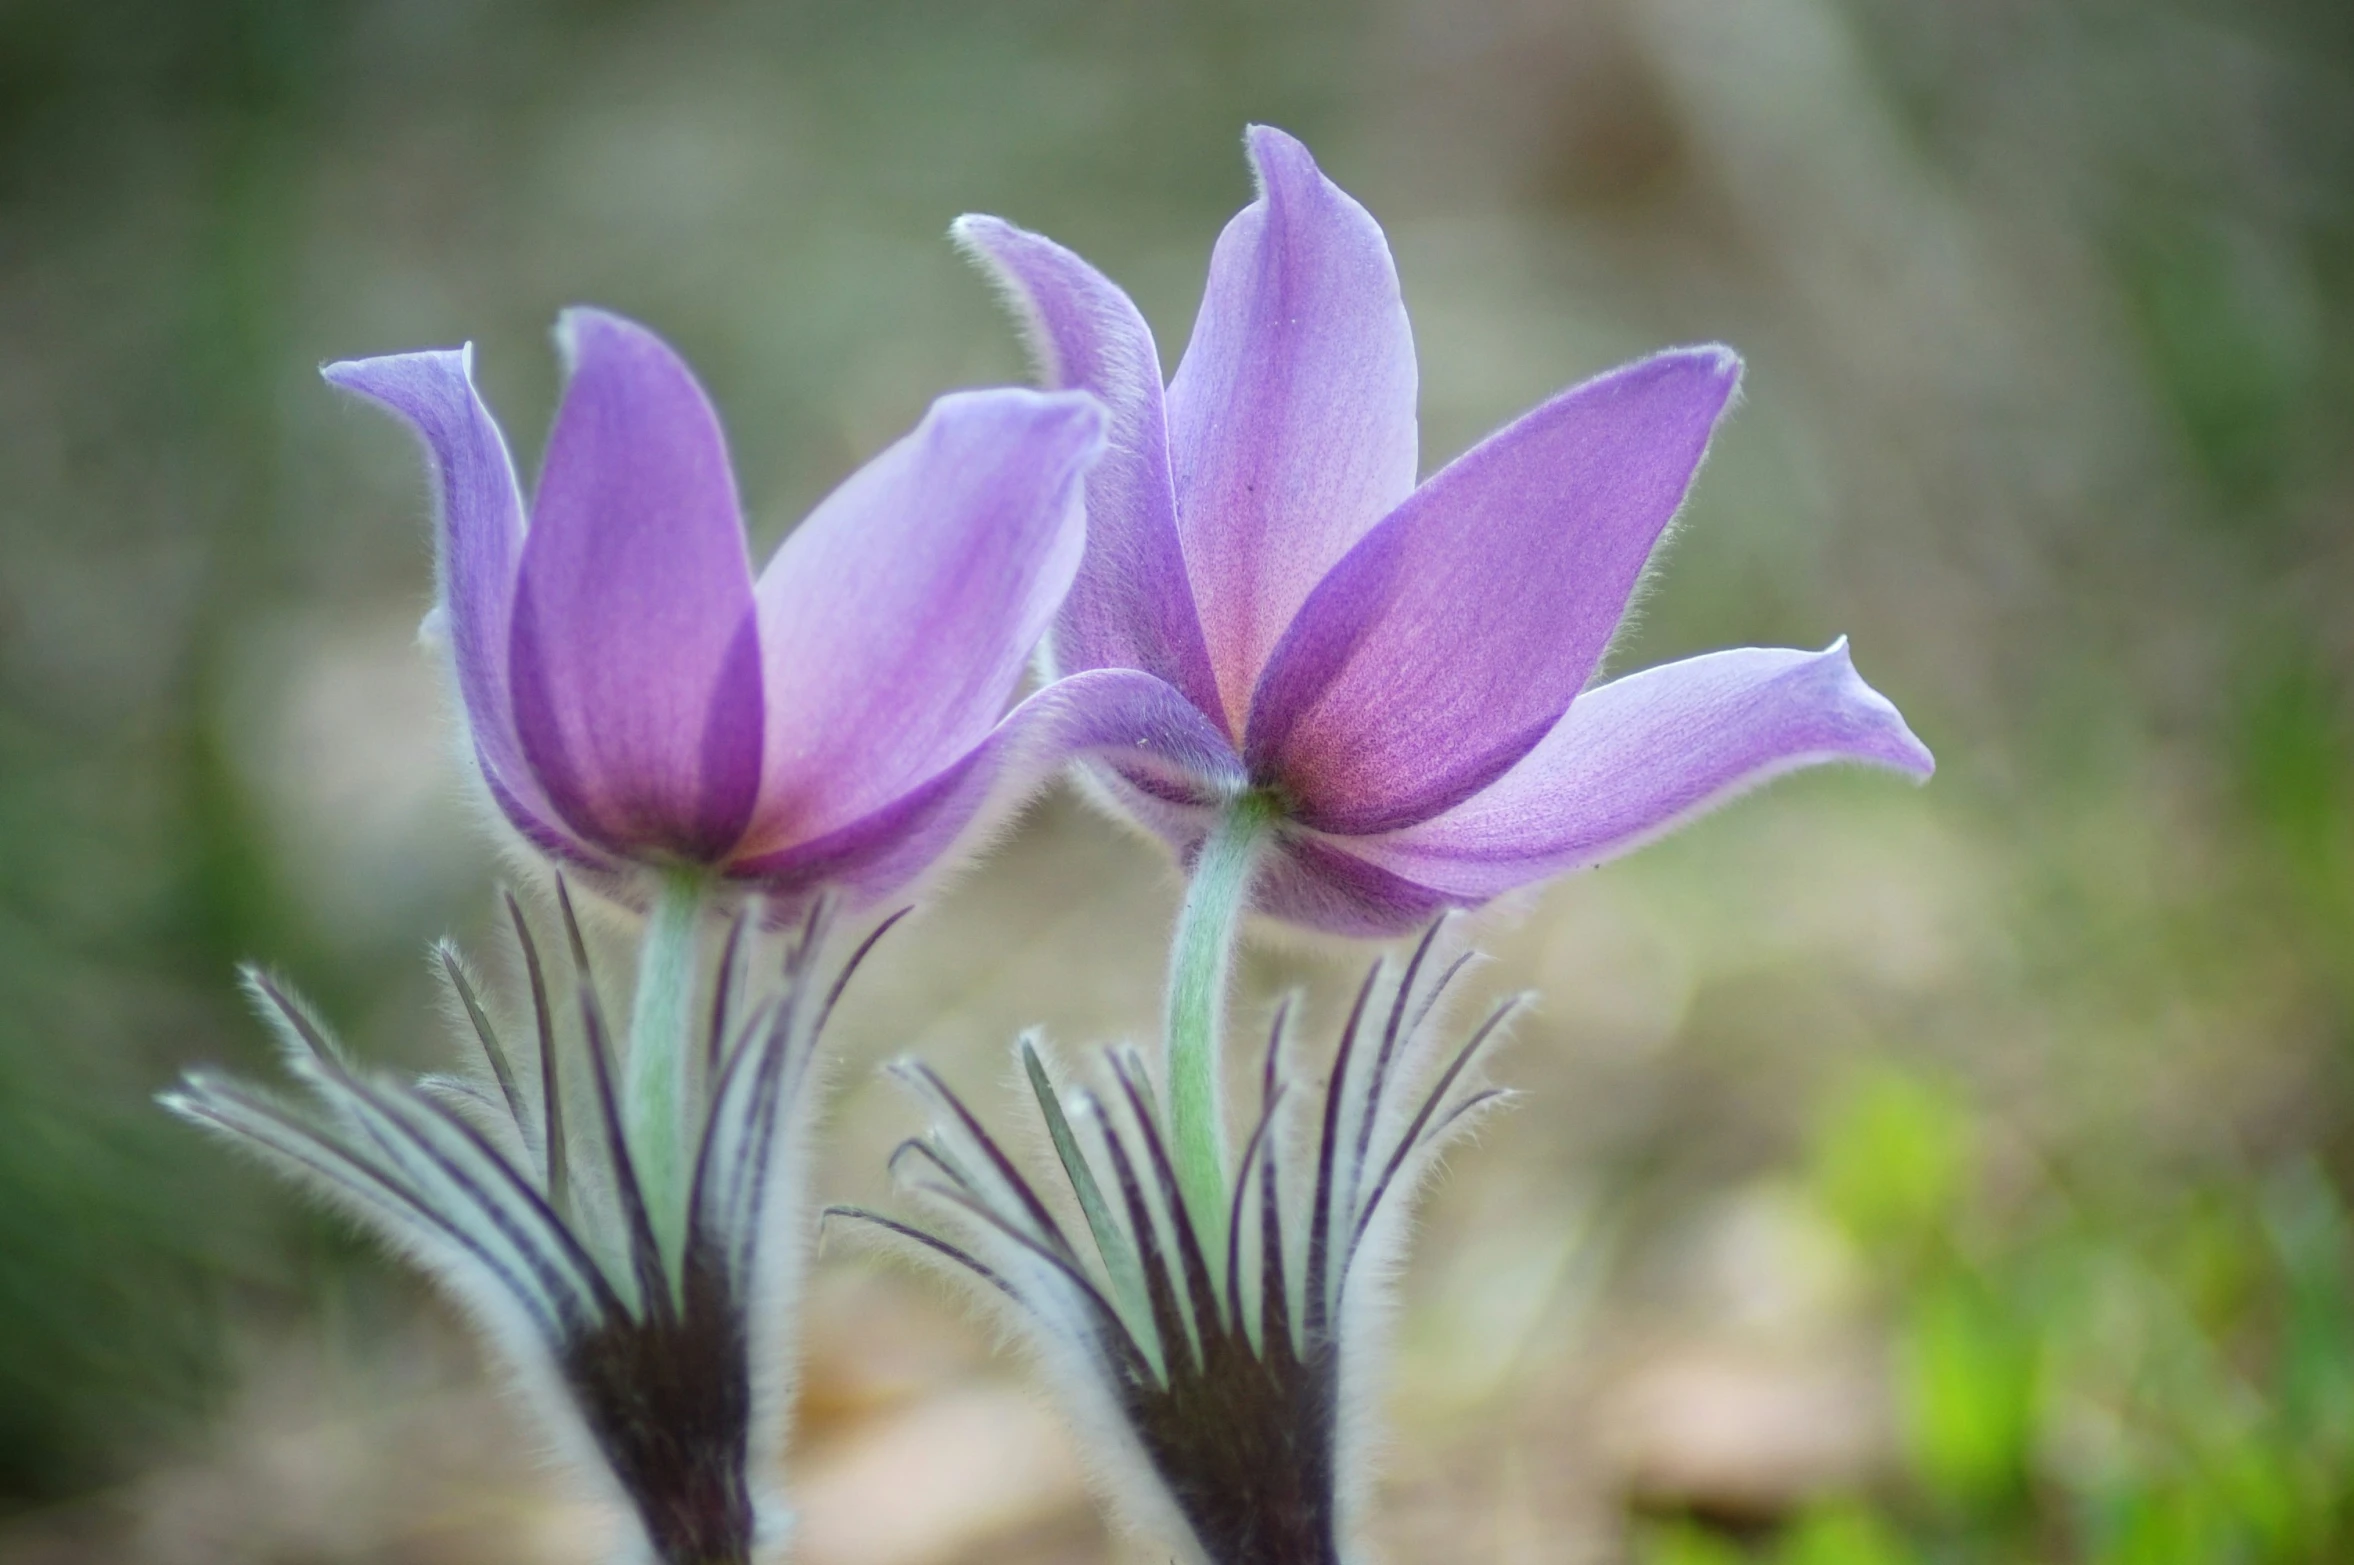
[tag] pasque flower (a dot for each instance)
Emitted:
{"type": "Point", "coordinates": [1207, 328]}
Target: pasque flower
{"type": "Point", "coordinates": [644, 709]}
{"type": "Point", "coordinates": [635, 696]}
{"type": "Point", "coordinates": [1400, 672]}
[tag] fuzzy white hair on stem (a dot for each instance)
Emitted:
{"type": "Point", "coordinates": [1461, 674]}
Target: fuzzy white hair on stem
{"type": "Point", "coordinates": [1228, 1383]}
{"type": "Point", "coordinates": [665, 1380]}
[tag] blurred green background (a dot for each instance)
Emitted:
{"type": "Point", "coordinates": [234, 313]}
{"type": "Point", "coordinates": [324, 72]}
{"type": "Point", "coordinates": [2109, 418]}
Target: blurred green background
{"type": "Point", "coordinates": [1952, 1175]}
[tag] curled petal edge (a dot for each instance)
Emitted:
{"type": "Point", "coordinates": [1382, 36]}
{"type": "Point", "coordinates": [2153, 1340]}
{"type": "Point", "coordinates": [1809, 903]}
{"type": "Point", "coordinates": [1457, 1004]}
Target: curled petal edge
{"type": "Point", "coordinates": [478, 522]}
{"type": "Point", "coordinates": [1132, 605]}
{"type": "Point", "coordinates": [1638, 757]}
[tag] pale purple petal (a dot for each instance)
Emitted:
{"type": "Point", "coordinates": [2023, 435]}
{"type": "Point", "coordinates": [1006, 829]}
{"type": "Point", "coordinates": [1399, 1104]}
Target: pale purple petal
{"type": "Point", "coordinates": [538, 825]}
{"type": "Point", "coordinates": [1180, 810]}
{"type": "Point", "coordinates": [1131, 606]}
{"type": "Point", "coordinates": [1303, 878]}
{"type": "Point", "coordinates": [1291, 420]}
{"type": "Point", "coordinates": [636, 657]}
{"type": "Point", "coordinates": [478, 530]}
{"type": "Point", "coordinates": [1641, 755]}
{"type": "Point", "coordinates": [1148, 725]}
{"type": "Point", "coordinates": [895, 621]}
{"type": "Point", "coordinates": [1453, 637]}
{"type": "Point", "coordinates": [1322, 884]}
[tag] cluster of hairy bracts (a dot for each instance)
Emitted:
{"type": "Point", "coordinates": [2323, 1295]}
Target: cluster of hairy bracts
{"type": "Point", "coordinates": [1227, 1354]}
{"type": "Point", "coordinates": [513, 1183]}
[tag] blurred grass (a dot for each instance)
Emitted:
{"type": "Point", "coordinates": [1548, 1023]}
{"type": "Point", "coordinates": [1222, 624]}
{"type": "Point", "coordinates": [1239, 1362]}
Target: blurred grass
{"type": "Point", "coordinates": [1957, 1175]}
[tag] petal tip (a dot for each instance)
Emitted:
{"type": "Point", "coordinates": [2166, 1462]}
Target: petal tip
{"type": "Point", "coordinates": [584, 328]}
{"type": "Point", "coordinates": [1010, 261]}
{"type": "Point", "coordinates": [1911, 756]}
{"type": "Point", "coordinates": [1707, 374]}
{"type": "Point", "coordinates": [975, 230]}
{"type": "Point", "coordinates": [1904, 752]}
{"type": "Point", "coordinates": [1073, 416]}
{"type": "Point", "coordinates": [574, 316]}
{"type": "Point", "coordinates": [1079, 409]}
{"type": "Point", "coordinates": [1899, 748]}
{"type": "Point", "coordinates": [369, 377]}
{"type": "Point", "coordinates": [1281, 163]}
{"type": "Point", "coordinates": [1710, 360]}
{"type": "Point", "coordinates": [1266, 143]}
{"type": "Point", "coordinates": [1000, 248]}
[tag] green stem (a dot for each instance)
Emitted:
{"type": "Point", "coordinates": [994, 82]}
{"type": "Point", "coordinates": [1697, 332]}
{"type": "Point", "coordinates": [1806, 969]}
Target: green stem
{"type": "Point", "coordinates": [1201, 962]}
{"type": "Point", "coordinates": [654, 1079]}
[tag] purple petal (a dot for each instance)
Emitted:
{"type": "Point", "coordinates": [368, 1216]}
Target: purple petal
{"type": "Point", "coordinates": [1306, 878]}
{"type": "Point", "coordinates": [1147, 724]}
{"type": "Point", "coordinates": [478, 532]}
{"type": "Point", "coordinates": [1641, 755]}
{"type": "Point", "coordinates": [895, 621]}
{"type": "Point", "coordinates": [1131, 606]}
{"type": "Point", "coordinates": [636, 662]}
{"type": "Point", "coordinates": [1291, 420]}
{"type": "Point", "coordinates": [1455, 635]}
{"type": "Point", "coordinates": [538, 826]}
{"type": "Point", "coordinates": [1321, 884]}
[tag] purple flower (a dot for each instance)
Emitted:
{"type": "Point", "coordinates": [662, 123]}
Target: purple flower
{"type": "Point", "coordinates": [636, 695]}
{"type": "Point", "coordinates": [1399, 671]}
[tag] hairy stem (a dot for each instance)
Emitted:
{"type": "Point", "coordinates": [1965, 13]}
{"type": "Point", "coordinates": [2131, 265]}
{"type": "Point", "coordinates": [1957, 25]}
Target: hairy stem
{"type": "Point", "coordinates": [661, 1021]}
{"type": "Point", "coordinates": [1201, 963]}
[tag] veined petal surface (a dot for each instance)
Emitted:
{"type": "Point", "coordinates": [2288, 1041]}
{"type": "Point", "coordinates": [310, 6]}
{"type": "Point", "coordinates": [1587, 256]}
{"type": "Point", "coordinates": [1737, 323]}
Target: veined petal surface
{"type": "Point", "coordinates": [895, 621]}
{"type": "Point", "coordinates": [636, 657]}
{"type": "Point", "coordinates": [1131, 605]}
{"type": "Point", "coordinates": [1149, 725]}
{"type": "Point", "coordinates": [1639, 756]}
{"type": "Point", "coordinates": [1451, 639]}
{"type": "Point", "coordinates": [1291, 419]}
